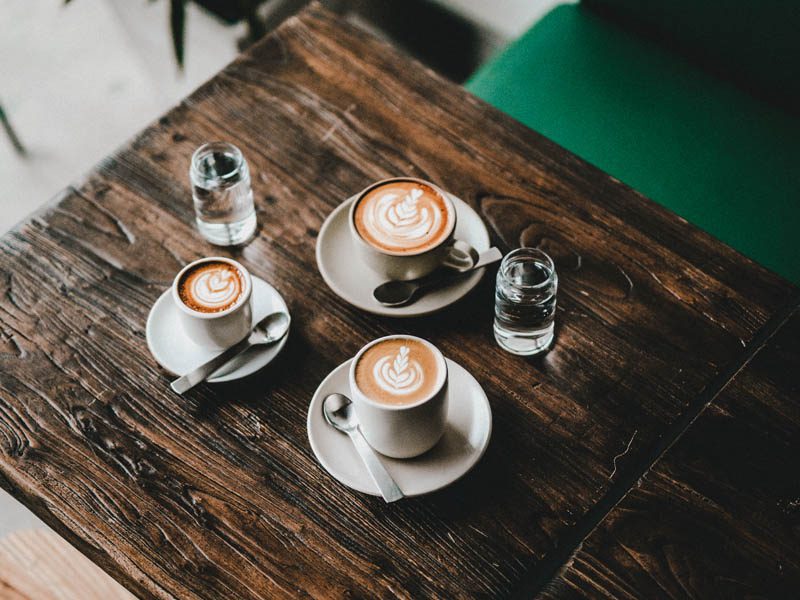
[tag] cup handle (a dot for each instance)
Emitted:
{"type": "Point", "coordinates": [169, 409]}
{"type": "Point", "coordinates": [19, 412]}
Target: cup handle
{"type": "Point", "coordinates": [461, 256]}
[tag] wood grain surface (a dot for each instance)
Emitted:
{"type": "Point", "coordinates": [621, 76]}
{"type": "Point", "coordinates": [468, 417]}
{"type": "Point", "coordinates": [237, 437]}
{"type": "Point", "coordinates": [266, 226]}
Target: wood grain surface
{"type": "Point", "coordinates": [719, 515]}
{"type": "Point", "coordinates": [217, 494]}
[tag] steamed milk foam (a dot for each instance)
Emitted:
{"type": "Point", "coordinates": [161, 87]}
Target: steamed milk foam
{"type": "Point", "coordinates": [406, 217]}
{"type": "Point", "coordinates": [398, 371]}
{"type": "Point", "coordinates": [211, 286]}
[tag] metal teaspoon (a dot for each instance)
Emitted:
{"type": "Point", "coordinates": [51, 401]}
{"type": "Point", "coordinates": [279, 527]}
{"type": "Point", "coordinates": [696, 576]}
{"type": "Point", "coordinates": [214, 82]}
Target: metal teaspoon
{"type": "Point", "coordinates": [268, 330]}
{"type": "Point", "coordinates": [339, 414]}
{"type": "Point", "coordinates": [400, 293]}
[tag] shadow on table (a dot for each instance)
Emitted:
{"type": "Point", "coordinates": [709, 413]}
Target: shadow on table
{"type": "Point", "coordinates": [251, 391]}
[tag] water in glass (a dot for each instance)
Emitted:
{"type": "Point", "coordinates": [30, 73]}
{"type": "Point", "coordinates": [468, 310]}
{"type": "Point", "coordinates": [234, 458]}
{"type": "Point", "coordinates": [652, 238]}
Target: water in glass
{"type": "Point", "coordinates": [223, 198]}
{"type": "Point", "coordinates": [525, 301]}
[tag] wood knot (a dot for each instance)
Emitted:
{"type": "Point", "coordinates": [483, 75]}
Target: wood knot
{"type": "Point", "coordinates": [84, 421]}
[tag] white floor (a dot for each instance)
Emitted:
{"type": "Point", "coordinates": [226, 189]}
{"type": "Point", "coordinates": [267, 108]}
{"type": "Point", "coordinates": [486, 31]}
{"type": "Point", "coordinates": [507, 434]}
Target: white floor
{"type": "Point", "coordinates": [14, 516]}
{"type": "Point", "coordinates": [79, 80]}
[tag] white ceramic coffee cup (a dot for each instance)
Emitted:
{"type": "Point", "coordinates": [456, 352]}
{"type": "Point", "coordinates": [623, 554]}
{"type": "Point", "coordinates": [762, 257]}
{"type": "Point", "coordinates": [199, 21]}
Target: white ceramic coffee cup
{"type": "Point", "coordinates": [402, 430]}
{"type": "Point", "coordinates": [403, 266]}
{"type": "Point", "coordinates": [222, 329]}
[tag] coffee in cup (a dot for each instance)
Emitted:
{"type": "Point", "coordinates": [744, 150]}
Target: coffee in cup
{"type": "Point", "coordinates": [213, 298]}
{"type": "Point", "coordinates": [404, 216]}
{"type": "Point", "coordinates": [398, 371]}
{"type": "Point", "coordinates": [211, 286]}
{"type": "Point", "coordinates": [398, 386]}
{"type": "Point", "coordinates": [403, 228]}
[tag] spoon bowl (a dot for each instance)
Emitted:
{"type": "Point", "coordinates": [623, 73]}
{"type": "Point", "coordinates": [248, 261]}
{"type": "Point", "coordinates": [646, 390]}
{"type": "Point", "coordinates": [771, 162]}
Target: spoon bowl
{"type": "Point", "coordinates": [272, 327]}
{"type": "Point", "coordinates": [338, 412]}
{"type": "Point", "coordinates": [395, 293]}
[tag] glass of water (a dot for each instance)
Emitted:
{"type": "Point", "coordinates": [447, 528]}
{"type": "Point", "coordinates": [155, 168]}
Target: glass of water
{"type": "Point", "coordinates": [525, 301]}
{"type": "Point", "coordinates": [223, 198]}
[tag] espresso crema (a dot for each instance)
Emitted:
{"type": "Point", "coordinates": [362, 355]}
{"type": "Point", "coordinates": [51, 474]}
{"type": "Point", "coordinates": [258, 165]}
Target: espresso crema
{"type": "Point", "coordinates": [405, 217]}
{"type": "Point", "coordinates": [398, 371]}
{"type": "Point", "coordinates": [211, 286]}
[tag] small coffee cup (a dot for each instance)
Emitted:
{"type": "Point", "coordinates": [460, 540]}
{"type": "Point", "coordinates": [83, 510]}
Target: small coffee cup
{"type": "Point", "coordinates": [398, 386]}
{"type": "Point", "coordinates": [403, 228]}
{"type": "Point", "coordinates": [214, 300]}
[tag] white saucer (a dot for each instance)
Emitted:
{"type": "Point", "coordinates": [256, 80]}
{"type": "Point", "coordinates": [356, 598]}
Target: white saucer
{"type": "Point", "coordinates": [353, 281]}
{"type": "Point", "coordinates": [466, 437]}
{"type": "Point", "coordinates": [174, 351]}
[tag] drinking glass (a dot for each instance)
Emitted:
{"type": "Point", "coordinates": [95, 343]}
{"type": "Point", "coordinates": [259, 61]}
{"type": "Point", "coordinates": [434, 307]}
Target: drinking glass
{"type": "Point", "coordinates": [525, 301]}
{"type": "Point", "coordinates": [223, 198]}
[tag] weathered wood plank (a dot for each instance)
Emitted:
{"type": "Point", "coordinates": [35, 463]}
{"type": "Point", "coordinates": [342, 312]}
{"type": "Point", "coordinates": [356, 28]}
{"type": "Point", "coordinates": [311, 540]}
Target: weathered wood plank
{"type": "Point", "coordinates": [218, 494]}
{"type": "Point", "coordinates": [719, 515]}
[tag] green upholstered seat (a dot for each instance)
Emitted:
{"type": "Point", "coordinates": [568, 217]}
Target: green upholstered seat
{"type": "Point", "coordinates": [697, 144]}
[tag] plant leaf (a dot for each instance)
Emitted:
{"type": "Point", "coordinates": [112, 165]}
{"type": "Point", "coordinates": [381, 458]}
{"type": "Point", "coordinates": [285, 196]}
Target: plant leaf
{"type": "Point", "coordinates": [12, 135]}
{"type": "Point", "coordinates": [177, 22]}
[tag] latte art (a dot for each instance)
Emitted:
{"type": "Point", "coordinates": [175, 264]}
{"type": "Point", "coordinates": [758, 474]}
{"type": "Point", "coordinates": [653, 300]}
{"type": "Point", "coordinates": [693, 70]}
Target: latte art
{"type": "Point", "coordinates": [398, 371]}
{"type": "Point", "coordinates": [400, 220]}
{"type": "Point", "coordinates": [404, 216]}
{"type": "Point", "coordinates": [211, 287]}
{"type": "Point", "coordinates": [400, 376]}
{"type": "Point", "coordinates": [215, 289]}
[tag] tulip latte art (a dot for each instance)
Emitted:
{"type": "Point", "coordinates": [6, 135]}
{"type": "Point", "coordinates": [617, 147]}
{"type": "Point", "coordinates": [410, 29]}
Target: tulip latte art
{"type": "Point", "coordinates": [398, 371]}
{"type": "Point", "coordinates": [211, 287]}
{"type": "Point", "coordinates": [405, 217]}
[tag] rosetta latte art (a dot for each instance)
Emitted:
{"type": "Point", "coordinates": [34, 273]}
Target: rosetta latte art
{"type": "Point", "coordinates": [398, 371]}
{"type": "Point", "coordinates": [398, 374]}
{"type": "Point", "coordinates": [403, 216]}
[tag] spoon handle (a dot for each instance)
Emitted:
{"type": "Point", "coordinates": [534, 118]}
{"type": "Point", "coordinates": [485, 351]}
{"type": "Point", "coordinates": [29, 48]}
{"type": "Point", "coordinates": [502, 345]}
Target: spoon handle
{"type": "Point", "coordinates": [437, 278]}
{"type": "Point", "coordinates": [186, 382]}
{"type": "Point", "coordinates": [377, 471]}
{"type": "Point", "coordinates": [492, 255]}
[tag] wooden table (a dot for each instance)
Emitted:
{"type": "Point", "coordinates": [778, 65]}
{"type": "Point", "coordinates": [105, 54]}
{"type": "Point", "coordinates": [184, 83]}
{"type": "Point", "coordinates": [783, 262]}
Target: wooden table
{"type": "Point", "coordinates": [652, 452]}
